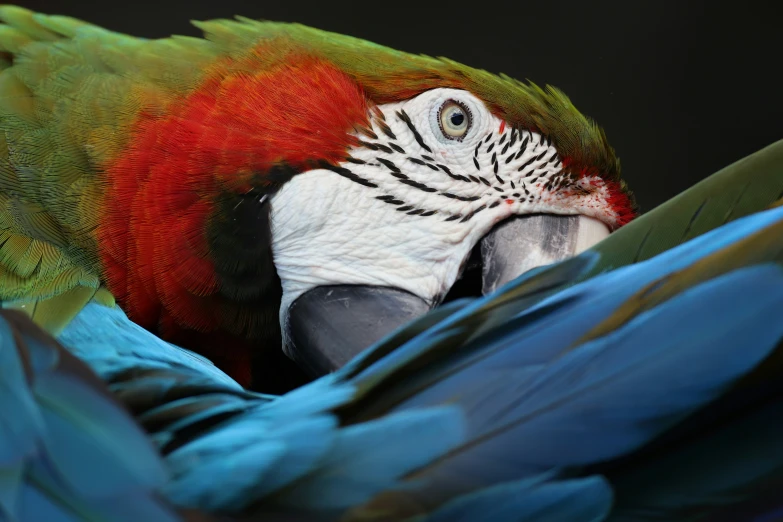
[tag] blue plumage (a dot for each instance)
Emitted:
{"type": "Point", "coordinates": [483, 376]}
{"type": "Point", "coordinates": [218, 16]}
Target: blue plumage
{"type": "Point", "coordinates": [534, 500]}
{"type": "Point", "coordinates": [605, 398]}
{"type": "Point", "coordinates": [723, 469]}
{"type": "Point", "coordinates": [69, 453]}
{"type": "Point", "coordinates": [645, 393]}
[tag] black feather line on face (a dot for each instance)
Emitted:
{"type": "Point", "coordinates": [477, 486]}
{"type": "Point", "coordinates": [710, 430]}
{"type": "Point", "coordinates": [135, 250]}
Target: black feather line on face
{"type": "Point", "coordinates": [448, 172]}
{"type": "Point", "coordinates": [403, 116]}
{"type": "Point", "coordinates": [416, 184]}
{"type": "Point", "coordinates": [391, 166]}
{"type": "Point", "coordinates": [505, 142]}
{"type": "Point", "coordinates": [386, 130]}
{"type": "Point", "coordinates": [526, 164]}
{"type": "Point", "coordinates": [513, 139]}
{"type": "Point", "coordinates": [384, 148]}
{"type": "Point", "coordinates": [344, 172]}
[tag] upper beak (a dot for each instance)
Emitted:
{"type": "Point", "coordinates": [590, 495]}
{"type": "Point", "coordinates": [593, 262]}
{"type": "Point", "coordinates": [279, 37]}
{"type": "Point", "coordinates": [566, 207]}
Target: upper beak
{"type": "Point", "coordinates": [524, 242]}
{"type": "Point", "coordinates": [327, 326]}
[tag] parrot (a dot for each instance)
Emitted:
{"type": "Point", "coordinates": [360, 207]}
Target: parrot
{"type": "Point", "coordinates": [270, 184]}
{"type": "Point", "coordinates": [636, 381]}
{"type": "Point", "coordinates": [166, 192]}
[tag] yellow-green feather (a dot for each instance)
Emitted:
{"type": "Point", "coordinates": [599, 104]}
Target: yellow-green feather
{"type": "Point", "coordinates": [63, 110]}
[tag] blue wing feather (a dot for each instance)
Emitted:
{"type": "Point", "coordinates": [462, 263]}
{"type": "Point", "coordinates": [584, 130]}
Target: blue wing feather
{"type": "Point", "coordinates": [471, 408]}
{"type": "Point", "coordinates": [720, 469]}
{"type": "Point", "coordinates": [366, 458]}
{"type": "Point", "coordinates": [530, 500]}
{"type": "Point", "coordinates": [69, 453]}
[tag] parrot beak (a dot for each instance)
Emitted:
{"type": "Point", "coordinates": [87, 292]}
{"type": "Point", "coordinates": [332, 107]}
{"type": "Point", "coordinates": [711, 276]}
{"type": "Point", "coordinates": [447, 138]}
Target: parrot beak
{"type": "Point", "coordinates": [329, 325]}
{"type": "Point", "coordinates": [524, 242]}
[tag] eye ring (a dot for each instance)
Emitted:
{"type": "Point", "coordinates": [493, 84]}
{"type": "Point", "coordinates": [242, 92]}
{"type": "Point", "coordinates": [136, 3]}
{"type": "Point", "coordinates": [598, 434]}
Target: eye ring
{"type": "Point", "coordinates": [455, 120]}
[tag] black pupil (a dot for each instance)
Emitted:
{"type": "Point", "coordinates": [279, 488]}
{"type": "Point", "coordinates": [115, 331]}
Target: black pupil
{"type": "Point", "coordinates": [457, 119]}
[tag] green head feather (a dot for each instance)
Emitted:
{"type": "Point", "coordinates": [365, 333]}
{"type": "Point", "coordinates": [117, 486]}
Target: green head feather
{"type": "Point", "coordinates": [388, 75]}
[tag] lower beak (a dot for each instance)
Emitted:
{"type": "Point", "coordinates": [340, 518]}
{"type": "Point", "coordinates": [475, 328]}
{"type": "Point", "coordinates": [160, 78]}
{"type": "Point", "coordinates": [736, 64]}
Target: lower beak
{"type": "Point", "coordinates": [525, 242]}
{"type": "Point", "coordinates": [329, 325]}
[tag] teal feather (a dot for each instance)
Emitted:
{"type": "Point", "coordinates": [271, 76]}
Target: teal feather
{"type": "Point", "coordinates": [509, 407]}
{"type": "Point", "coordinates": [240, 469]}
{"type": "Point", "coordinates": [20, 430]}
{"type": "Point", "coordinates": [365, 458]}
{"type": "Point", "coordinates": [532, 500]}
{"type": "Point", "coordinates": [99, 426]}
{"type": "Point", "coordinates": [69, 452]}
{"type": "Point", "coordinates": [472, 429]}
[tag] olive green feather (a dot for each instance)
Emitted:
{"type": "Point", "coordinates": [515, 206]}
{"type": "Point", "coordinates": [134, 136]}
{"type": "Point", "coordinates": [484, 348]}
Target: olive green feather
{"type": "Point", "coordinates": [750, 185]}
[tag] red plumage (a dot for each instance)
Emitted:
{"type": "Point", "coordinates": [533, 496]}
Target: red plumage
{"type": "Point", "coordinates": [222, 137]}
{"type": "Point", "coordinates": [619, 200]}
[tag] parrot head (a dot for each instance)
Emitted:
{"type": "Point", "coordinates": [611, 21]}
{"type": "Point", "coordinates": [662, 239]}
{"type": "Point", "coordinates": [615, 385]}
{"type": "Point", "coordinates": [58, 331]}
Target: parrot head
{"type": "Point", "coordinates": [334, 189]}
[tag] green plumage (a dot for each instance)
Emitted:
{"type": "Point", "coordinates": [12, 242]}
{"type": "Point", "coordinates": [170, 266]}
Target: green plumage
{"type": "Point", "coordinates": [70, 93]}
{"type": "Point", "coordinates": [747, 186]}
{"type": "Point", "coordinates": [388, 75]}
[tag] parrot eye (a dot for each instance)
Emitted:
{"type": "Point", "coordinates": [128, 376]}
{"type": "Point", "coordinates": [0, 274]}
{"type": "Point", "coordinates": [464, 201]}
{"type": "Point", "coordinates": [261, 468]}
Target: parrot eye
{"type": "Point", "coordinates": [455, 120]}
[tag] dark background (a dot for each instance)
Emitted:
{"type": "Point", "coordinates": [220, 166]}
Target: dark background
{"type": "Point", "coordinates": [681, 88]}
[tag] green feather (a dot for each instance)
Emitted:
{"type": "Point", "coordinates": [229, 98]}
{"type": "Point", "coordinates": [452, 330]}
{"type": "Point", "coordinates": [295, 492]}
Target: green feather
{"type": "Point", "coordinates": [70, 93]}
{"type": "Point", "coordinates": [750, 185]}
{"type": "Point", "coordinates": [388, 75]}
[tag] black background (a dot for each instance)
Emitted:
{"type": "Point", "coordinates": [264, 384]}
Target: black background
{"type": "Point", "coordinates": [681, 88]}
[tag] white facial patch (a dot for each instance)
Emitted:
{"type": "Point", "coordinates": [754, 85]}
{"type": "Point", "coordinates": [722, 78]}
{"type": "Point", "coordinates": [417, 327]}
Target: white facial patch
{"type": "Point", "coordinates": [407, 207]}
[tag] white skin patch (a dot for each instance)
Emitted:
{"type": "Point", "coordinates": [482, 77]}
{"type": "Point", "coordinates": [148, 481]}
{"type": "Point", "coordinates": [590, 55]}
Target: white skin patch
{"type": "Point", "coordinates": [406, 217]}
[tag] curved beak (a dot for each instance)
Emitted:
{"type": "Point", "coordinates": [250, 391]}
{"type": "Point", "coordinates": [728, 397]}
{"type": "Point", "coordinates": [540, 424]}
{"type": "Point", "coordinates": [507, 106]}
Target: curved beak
{"type": "Point", "coordinates": [524, 242]}
{"type": "Point", "coordinates": [327, 326]}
